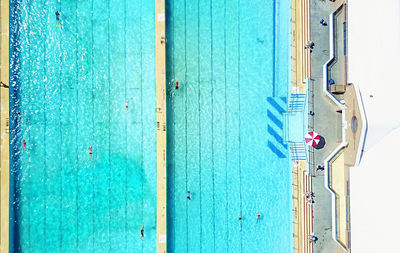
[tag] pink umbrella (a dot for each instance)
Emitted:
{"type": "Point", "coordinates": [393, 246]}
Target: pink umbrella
{"type": "Point", "coordinates": [312, 138]}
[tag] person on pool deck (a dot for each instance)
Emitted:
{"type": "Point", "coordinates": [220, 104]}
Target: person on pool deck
{"type": "Point", "coordinates": [313, 238]}
{"type": "Point", "coordinates": [176, 85]}
{"type": "Point", "coordinates": [23, 144]}
{"type": "Point", "coordinates": [188, 195]}
{"type": "Point", "coordinates": [3, 85]}
{"type": "Point", "coordinates": [142, 232]}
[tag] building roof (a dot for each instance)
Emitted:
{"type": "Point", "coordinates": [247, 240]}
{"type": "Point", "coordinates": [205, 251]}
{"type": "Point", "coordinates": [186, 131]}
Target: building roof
{"type": "Point", "coordinates": [374, 65]}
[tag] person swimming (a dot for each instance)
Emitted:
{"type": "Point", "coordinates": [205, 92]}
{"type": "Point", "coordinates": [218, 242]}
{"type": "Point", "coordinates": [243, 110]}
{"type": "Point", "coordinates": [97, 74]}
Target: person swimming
{"type": "Point", "coordinates": [23, 144]}
{"type": "Point", "coordinates": [176, 85]}
{"type": "Point", "coordinates": [58, 18]}
{"type": "Point", "coordinates": [142, 232]}
{"type": "Point", "coordinates": [90, 152]}
{"type": "Point", "coordinates": [126, 105]}
{"type": "Point", "coordinates": [188, 195]}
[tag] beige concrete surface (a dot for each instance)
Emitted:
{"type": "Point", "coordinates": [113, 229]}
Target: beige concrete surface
{"type": "Point", "coordinates": [339, 181]}
{"type": "Point", "coordinates": [340, 164]}
{"type": "Point", "coordinates": [302, 210]}
{"type": "Point", "coordinates": [161, 129]}
{"type": "Point", "coordinates": [301, 34]}
{"type": "Point", "coordinates": [4, 130]}
{"type": "Point", "coordinates": [301, 70]}
{"type": "Point", "coordinates": [352, 137]}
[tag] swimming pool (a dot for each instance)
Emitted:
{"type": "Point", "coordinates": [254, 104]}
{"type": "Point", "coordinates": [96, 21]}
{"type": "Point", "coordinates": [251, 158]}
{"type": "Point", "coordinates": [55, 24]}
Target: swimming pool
{"type": "Point", "coordinates": [71, 83]}
{"type": "Point", "coordinates": [226, 126]}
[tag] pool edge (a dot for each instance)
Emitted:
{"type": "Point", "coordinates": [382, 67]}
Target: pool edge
{"type": "Point", "coordinates": [4, 111]}
{"type": "Point", "coordinates": [161, 127]}
{"type": "Point", "coordinates": [301, 70]}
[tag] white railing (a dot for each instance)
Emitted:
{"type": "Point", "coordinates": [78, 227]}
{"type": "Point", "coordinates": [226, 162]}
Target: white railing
{"type": "Point", "coordinates": [297, 151]}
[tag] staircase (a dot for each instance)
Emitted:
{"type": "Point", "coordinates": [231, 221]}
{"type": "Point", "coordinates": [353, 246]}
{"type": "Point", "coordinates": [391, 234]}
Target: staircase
{"type": "Point", "coordinates": [296, 103]}
{"type": "Point", "coordinates": [297, 151]}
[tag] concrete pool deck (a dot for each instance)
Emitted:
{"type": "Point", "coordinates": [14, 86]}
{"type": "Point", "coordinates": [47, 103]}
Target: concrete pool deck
{"type": "Point", "coordinates": [327, 122]}
{"type": "Point", "coordinates": [302, 210]}
{"type": "Point", "coordinates": [333, 119]}
{"type": "Point", "coordinates": [301, 66]}
{"type": "Point", "coordinates": [4, 122]}
{"type": "Point", "coordinates": [302, 183]}
{"type": "Point", "coordinates": [161, 128]}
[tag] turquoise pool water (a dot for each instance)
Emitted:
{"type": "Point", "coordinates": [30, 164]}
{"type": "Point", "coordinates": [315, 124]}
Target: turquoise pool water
{"type": "Point", "coordinates": [226, 126]}
{"type": "Point", "coordinates": [70, 87]}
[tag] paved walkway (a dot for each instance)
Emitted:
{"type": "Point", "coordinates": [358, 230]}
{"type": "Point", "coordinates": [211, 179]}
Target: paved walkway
{"type": "Point", "coordinates": [161, 129]}
{"type": "Point", "coordinates": [326, 121]}
{"type": "Point", "coordinates": [4, 122]}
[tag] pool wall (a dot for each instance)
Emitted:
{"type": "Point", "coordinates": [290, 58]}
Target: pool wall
{"type": "Point", "coordinates": [161, 128]}
{"type": "Point", "coordinates": [4, 128]}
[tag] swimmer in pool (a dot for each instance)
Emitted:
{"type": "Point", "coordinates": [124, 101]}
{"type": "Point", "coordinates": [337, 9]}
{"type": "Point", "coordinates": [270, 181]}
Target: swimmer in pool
{"type": "Point", "coordinates": [23, 144]}
{"type": "Point", "coordinates": [126, 105]}
{"type": "Point", "coordinates": [90, 152]}
{"type": "Point", "coordinates": [58, 18]}
{"type": "Point", "coordinates": [142, 232]}
{"type": "Point", "coordinates": [176, 85]}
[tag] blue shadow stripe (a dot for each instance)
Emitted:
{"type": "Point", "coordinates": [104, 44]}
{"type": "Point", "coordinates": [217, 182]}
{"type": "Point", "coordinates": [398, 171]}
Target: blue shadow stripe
{"type": "Point", "coordinates": [274, 104]}
{"type": "Point", "coordinates": [276, 136]}
{"type": "Point", "coordinates": [274, 119]}
{"type": "Point", "coordinates": [275, 150]}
